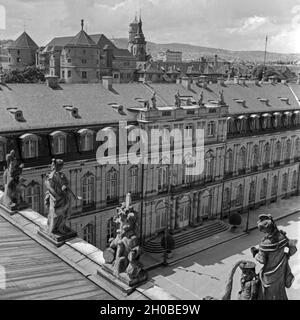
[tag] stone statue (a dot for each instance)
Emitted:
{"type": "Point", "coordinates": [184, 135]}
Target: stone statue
{"type": "Point", "coordinates": [200, 102]}
{"type": "Point", "coordinates": [153, 100]}
{"type": "Point", "coordinates": [273, 253]}
{"type": "Point", "coordinates": [12, 195]}
{"type": "Point", "coordinates": [122, 256]}
{"type": "Point", "coordinates": [249, 282]}
{"type": "Point", "coordinates": [57, 199]}
{"type": "Point", "coordinates": [221, 94]}
{"type": "Point", "coordinates": [177, 100]}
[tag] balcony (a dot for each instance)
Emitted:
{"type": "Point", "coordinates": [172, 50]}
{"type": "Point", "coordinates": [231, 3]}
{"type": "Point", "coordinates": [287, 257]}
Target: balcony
{"type": "Point", "coordinates": [287, 161]}
{"type": "Point", "coordinates": [276, 163]}
{"type": "Point", "coordinates": [242, 171]}
{"type": "Point", "coordinates": [266, 166]}
{"type": "Point", "coordinates": [254, 169]}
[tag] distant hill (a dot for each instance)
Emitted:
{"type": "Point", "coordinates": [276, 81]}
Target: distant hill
{"type": "Point", "coordinates": [191, 52]}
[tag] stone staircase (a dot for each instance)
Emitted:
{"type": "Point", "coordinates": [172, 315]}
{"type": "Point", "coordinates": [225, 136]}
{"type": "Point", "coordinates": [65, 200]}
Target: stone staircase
{"type": "Point", "coordinates": [189, 236]}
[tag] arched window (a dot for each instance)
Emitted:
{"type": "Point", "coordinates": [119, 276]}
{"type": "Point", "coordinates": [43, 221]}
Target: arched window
{"type": "Point", "coordinates": [112, 185]}
{"type": "Point", "coordinates": [285, 183]}
{"type": "Point", "coordinates": [295, 180]}
{"type": "Point", "coordinates": [274, 186]}
{"type": "Point", "coordinates": [161, 216]}
{"type": "Point", "coordinates": [229, 161]}
{"type": "Point", "coordinates": [267, 153]}
{"type": "Point", "coordinates": [86, 139]}
{"type": "Point", "coordinates": [163, 177]}
{"type": "Point", "coordinates": [227, 198]}
{"type": "Point", "coordinates": [288, 149]}
{"type": "Point", "coordinates": [209, 166]}
{"type": "Point", "coordinates": [88, 233]}
{"type": "Point", "coordinates": [88, 190]}
{"type": "Point", "coordinates": [2, 149]}
{"type": "Point", "coordinates": [59, 142]}
{"type": "Point", "coordinates": [263, 189]}
{"type": "Point", "coordinates": [183, 211]}
{"type": "Point", "coordinates": [133, 180]}
{"type": "Point", "coordinates": [111, 230]}
{"type": "Point", "coordinates": [211, 129]}
{"type": "Point", "coordinates": [33, 196]}
{"type": "Point", "coordinates": [252, 192]}
{"type": "Point", "coordinates": [277, 152]}
{"type": "Point", "coordinates": [30, 146]}
{"type": "Point", "coordinates": [240, 195]}
{"type": "Point", "coordinates": [255, 156]}
{"type": "Point", "coordinates": [297, 148]}
{"type": "Point", "coordinates": [242, 159]}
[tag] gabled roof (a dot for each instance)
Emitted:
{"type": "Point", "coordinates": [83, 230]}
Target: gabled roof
{"type": "Point", "coordinates": [24, 42]}
{"type": "Point", "coordinates": [82, 39]}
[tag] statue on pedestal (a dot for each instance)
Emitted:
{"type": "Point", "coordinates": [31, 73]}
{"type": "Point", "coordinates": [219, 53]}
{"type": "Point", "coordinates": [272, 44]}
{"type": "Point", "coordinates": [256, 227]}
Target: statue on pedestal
{"type": "Point", "coordinates": [177, 100]}
{"type": "Point", "coordinates": [122, 256]}
{"type": "Point", "coordinates": [273, 253]}
{"type": "Point", "coordinates": [200, 102]}
{"type": "Point", "coordinates": [12, 195]}
{"type": "Point", "coordinates": [58, 201]}
{"type": "Point", "coordinates": [153, 100]}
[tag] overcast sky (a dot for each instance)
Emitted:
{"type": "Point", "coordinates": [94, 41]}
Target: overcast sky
{"type": "Point", "coordinates": [228, 24]}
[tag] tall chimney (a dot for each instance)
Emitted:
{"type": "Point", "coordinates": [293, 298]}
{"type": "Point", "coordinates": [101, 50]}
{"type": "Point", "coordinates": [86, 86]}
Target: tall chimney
{"type": "Point", "coordinates": [52, 81]}
{"type": "Point", "coordinates": [107, 82]}
{"type": "Point", "coordinates": [216, 61]}
{"type": "Point", "coordinates": [186, 82]}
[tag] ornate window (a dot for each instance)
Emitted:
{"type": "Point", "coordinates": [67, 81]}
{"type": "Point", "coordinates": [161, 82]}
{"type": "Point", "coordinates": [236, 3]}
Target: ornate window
{"type": "Point", "coordinates": [184, 208]}
{"type": "Point", "coordinates": [209, 165]}
{"type": "Point", "coordinates": [239, 195]}
{"type": "Point", "coordinates": [133, 180]}
{"type": "Point", "coordinates": [267, 153]}
{"type": "Point", "coordinates": [264, 188]}
{"type": "Point", "coordinates": [161, 216]}
{"type": "Point", "coordinates": [59, 142]}
{"type": "Point", "coordinates": [277, 152]}
{"type": "Point", "coordinates": [88, 190]}
{"type": "Point", "coordinates": [111, 230]}
{"type": "Point", "coordinates": [33, 196]}
{"type": "Point", "coordinates": [294, 180]}
{"type": "Point", "coordinates": [30, 146]}
{"type": "Point", "coordinates": [2, 149]}
{"type": "Point", "coordinates": [255, 156]}
{"type": "Point", "coordinates": [88, 233]}
{"type": "Point", "coordinates": [288, 149]}
{"type": "Point", "coordinates": [229, 161]}
{"type": "Point", "coordinates": [211, 129]}
{"type": "Point", "coordinates": [274, 186]}
{"type": "Point", "coordinates": [252, 192]}
{"type": "Point", "coordinates": [227, 198]}
{"type": "Point", "coordinates": [112, 185]}
{"type": "Point", "coordinates": [242, 159]}
{"type": "Point", "coordinates": [86, 139]}
{"type": "Point", "coordinates": [163, 177]}
{"type": "Point", "coordinates": [285, 183]}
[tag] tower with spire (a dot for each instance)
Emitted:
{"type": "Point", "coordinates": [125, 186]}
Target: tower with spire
{"type": "Point", "coordinates": [136, 41]}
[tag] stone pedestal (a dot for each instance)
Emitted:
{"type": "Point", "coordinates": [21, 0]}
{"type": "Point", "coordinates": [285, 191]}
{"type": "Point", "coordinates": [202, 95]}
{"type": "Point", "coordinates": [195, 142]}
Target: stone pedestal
{"type": "Point", "coordinates": [57, 239]}
{"type": "Point", "coordinates": [14, 208]}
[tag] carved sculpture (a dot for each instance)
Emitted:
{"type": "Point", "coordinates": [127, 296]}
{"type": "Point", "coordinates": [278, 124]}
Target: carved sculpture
{"type": "Point", "coordinates": [12, 195]}
{"type": "Point", "coordinates": [153, 100]}
{"type": "Point", "coordinates": [249, 282]}
{"type": "Point", "coordinates": [124, 251]}
{"type": "Point", "coordinates": [200, 102]}
{"type": "Point", "coordinates": [273, 253]}
{"type": "Point", "coordinates": [57, 199]}
{"type": "Point", "coordinates": [177, 100]}
{"type": "Point", "coordinates": [221, 99]}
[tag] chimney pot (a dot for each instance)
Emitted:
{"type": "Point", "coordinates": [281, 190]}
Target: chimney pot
{"type": "Point", "coordinates": [107, 82]}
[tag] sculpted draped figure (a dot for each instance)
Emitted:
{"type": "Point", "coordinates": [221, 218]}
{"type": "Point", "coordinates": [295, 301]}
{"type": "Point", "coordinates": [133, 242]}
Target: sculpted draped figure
{"type": "Point", "coordinates": [57, 198]}
{"type": "Point", "coordinates": [12, 195]}
{"type": "Point", "coordinates": [273, 253]}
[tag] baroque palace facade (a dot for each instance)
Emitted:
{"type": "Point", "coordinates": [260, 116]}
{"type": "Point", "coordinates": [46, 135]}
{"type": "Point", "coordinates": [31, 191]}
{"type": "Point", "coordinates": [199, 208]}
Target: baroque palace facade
{"type": "Point", "coordinates": [252, 148]}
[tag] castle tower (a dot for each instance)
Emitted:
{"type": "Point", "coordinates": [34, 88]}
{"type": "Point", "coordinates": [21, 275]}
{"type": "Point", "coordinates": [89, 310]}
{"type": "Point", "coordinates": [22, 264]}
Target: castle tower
{"type": "Point", "coordinates": [139, 44]}
{"type": "Point", "coordinates": [133, 29]}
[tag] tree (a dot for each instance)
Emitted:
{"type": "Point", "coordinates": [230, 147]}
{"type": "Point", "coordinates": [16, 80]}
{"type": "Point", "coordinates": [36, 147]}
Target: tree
{"type": "Point", "coordinates": [235, 220]}
{"type": "Point", "coordinates": [29, 74]}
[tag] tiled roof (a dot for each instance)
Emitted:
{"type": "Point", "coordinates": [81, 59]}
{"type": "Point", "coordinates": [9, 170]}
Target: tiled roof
{"type": "Point", "coordinates": [82, 39]}
{"type": "Point", "coordinates": [43, 107]}
{"type": "Point", "coordinates": [24, 42]}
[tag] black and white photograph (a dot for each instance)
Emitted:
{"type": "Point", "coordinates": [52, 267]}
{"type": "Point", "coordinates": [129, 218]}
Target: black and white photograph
{"type": "Point", "coordinates": [149, 153]}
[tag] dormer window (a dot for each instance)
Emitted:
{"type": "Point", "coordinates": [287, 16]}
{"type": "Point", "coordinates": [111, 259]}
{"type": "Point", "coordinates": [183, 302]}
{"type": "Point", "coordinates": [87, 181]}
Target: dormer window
{"type": "Point", "coordinates": [59, 142]}
{"type": "Point", "coordinates": [86, 139]}
{"type": "Point", "coordinates": [254, 122]}
{"type": "Point", "coordinates": [30, 146]}
{"type": "Point", "coordinates": [276, 119]}
{"type": "Point", "coordinates": [266, 123]}
{"type": "Point", "coordinates": [2, 148]}
{"type": "Point", "coordinates": [69, 60]}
